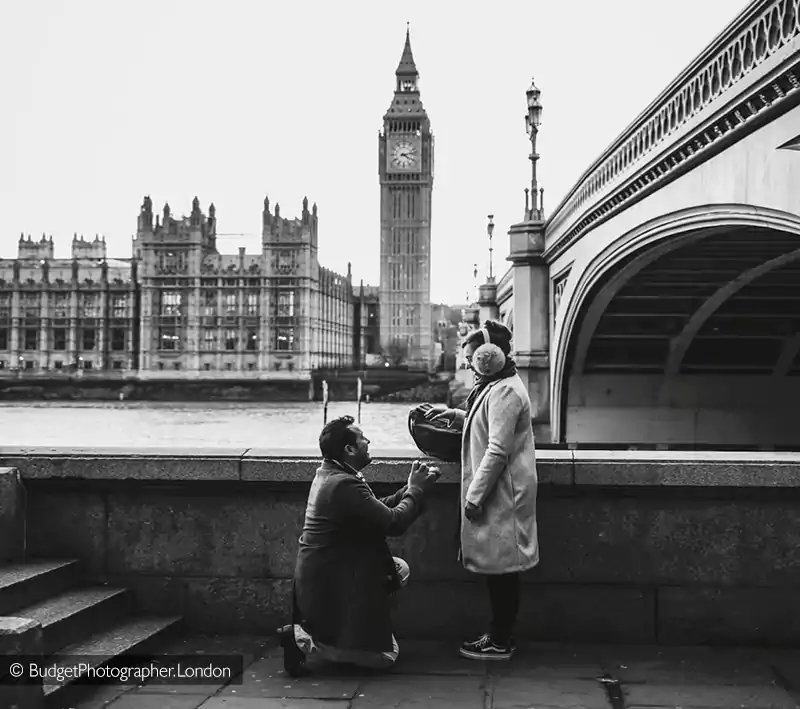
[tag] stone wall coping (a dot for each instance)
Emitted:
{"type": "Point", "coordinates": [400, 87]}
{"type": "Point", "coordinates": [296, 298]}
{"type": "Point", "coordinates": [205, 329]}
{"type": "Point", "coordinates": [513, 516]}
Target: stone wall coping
{"type": "Point", "coordinates": [584, 468]}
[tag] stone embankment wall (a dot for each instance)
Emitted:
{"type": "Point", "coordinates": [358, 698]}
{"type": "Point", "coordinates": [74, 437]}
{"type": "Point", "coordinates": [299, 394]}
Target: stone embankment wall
{"type": "Point", "coordinates": [206, 389]}
{"type": "Point", "coordinates": [635, 546]}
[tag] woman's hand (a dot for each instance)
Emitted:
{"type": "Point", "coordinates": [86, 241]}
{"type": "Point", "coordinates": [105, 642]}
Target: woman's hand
{"type": "Point", "coordinates": [472, 512]}
{"type": "Point", "coordinates": [441, 413]}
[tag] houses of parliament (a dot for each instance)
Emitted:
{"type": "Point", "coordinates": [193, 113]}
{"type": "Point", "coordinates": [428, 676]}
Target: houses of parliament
{"type": "Point", "coordinates": [177, 307]}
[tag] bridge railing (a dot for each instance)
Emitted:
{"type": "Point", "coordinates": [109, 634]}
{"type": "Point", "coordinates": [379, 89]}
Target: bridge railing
{"type": "Point", "coordinates": [687, 115]}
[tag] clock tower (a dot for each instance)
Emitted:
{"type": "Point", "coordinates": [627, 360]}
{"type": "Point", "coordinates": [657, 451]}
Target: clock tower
{"type": "Point", "coordinates": [405, 166]}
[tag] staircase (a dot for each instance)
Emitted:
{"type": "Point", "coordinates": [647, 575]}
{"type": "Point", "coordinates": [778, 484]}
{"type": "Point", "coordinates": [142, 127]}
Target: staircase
{"type": "Point", "coordinates": [94, 623]}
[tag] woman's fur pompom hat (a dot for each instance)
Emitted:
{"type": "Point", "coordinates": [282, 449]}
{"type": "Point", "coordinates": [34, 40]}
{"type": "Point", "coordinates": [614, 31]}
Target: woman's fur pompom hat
{"type": "Point", "coordinates": [490, 357]}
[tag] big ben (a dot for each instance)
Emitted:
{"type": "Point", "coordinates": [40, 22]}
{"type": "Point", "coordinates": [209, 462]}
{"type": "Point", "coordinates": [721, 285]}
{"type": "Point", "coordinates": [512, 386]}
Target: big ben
{"type": "Point", "coordinates": [405, 149]}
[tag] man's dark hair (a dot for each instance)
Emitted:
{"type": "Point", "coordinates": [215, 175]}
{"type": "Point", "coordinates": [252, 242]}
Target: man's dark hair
{"type": "Point", "coordinates": [499, 335]}
{"type": "Point", "coordinates": [335, 436]}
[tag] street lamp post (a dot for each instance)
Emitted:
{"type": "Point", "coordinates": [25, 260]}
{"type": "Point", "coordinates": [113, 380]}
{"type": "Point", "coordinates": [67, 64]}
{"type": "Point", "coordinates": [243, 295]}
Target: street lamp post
{"type": "Point", "coordinates": [490, 231]}
{"type": "Point", "coordinates": [533, 119]}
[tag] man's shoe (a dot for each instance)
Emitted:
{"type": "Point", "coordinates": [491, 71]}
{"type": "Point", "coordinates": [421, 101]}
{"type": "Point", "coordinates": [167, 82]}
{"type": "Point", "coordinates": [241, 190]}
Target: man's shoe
{"type": "Point", "coordinates": [484, 648]}
{"type": "Point", "coordinates": [294, 661]}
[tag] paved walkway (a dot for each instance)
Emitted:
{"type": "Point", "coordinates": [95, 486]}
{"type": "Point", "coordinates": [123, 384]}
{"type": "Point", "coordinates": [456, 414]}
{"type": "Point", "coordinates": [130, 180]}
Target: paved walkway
{"type": "Point", "coordinates": [541, 676]}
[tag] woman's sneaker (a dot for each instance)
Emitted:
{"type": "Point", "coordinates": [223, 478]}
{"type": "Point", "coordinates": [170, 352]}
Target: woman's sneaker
{"type": "Point", "coordinates": [484, 648]}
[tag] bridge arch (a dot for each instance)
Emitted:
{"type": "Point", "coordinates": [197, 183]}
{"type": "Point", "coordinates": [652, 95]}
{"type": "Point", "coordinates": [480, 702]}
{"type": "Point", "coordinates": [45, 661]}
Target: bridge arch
{"type": "Point", "coordinates": [735, 250]}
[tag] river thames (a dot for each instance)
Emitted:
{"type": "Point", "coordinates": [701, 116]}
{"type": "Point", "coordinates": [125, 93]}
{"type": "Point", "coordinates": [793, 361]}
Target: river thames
{"type": "Point", "coordinates": [202, 424]}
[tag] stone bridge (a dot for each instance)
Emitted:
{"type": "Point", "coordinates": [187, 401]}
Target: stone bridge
{"type": "Point", "coordinates": [659, 304]}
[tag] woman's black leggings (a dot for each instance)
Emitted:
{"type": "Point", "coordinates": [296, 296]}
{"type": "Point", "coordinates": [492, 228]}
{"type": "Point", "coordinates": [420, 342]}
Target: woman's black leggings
{"type": "Point", "coordinates": [504, 598]}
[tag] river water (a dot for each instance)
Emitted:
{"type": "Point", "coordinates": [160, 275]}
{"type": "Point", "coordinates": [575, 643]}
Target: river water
{"type": "Point", "coordinates": [204, 425]}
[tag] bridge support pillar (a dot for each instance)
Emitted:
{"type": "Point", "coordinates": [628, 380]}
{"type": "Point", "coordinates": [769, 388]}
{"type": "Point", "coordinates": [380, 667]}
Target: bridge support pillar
{"type": "Point", "coordinates": [532, 320]}
{"type": "Point", "coordinates": [487, 301]}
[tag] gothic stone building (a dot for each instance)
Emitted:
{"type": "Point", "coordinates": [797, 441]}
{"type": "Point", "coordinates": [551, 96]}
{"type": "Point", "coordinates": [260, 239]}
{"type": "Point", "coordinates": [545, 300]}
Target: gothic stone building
{"type": "Point", "coordinates": [405, 148]}
{"type": "Point", "coordinates": [204, 313]}
{"type": "Point", "coordinates": [67, 315]}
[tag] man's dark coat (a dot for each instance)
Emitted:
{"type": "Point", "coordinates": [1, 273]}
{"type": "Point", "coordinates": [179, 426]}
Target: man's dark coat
{"type": "Point", "coordinates": [344, 572]}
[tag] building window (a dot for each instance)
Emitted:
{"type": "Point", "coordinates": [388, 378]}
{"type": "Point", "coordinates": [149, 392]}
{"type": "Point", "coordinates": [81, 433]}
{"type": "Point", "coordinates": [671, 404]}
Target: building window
{"type": "Point", "coordinates": [87, 365]}
{"type": "Point", "coordinates": [208, 298]}
{"type": "Point", "coordinates": [284, 338]}
{"type": "Point", "coordinates": [89, 338]}
{"type": "Point", "coordinates": [207, 366]}
{"type": "Point", "coordinates": [28, 364]}
{"type": "Point", "coordinates": [251, 366]}
{"type": "Point", "coordinates": [209, 340]}
{"type": "Point", "coordinates": [172, 262]}
{"type": "Point", "coordinates": [176, 366]}
{"type": "Point", "coordinates": [58, 364]}
{"type": "Point", "coordinates": [168, 338]}
{"type": "Point", "coordinates": [229, 366]}
{"type": "Point", "coordinates": [230, 303]}
{"type": "Point", "coordinates": [59, 338]}
{"type": "Point", "coordinates": [117, 364]}
{"type": "Point", "coordinates": [90, 306]}
{"type": "Point", "coordinates": [61, 305]}
{"type": "Point", "coordinates": [3, 339]}
{"type": "Point", "coordinates": [252, 340]}
{"type": "Point", "coordinates": [252, 302]}
{"type": "Point", "coordinates": [118, 338]}
{"type": "Point", "coordinates": [119, 306]}
{"type": "Point", "coordinates": [161, 365]}
{"type": "Point", "coordinates": [31, 339]}
{"type": "Point", "coordinates": [30, 305]}
{"type": "Point", "coordinates": [170, 302]}
{"type": "Point", "coordinates": [286, 303]}
{"type": "Point", "coordinates": [230, 339]}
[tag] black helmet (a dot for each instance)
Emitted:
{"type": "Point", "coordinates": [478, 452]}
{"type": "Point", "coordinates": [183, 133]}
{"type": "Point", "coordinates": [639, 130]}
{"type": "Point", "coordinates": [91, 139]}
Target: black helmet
{"type": "Point", "coordinates": [434, 438]}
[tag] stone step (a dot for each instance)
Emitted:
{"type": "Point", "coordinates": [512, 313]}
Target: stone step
{"type": "Point", "coordinates": [136, 636]}
{"type": "Point", "coordinates": [65, 618]}
{"type": "Point", "coordinates": [33, 581]}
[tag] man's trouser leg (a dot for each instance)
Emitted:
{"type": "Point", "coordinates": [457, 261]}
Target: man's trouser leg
{"type": "Point", "coordinates": [362, 658]}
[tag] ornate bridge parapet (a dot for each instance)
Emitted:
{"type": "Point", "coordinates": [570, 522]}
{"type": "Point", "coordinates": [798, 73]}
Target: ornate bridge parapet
{"type": "Point", "coordinates": [707, 158]}
{"type": "Point", "coordinates": [750, 70]}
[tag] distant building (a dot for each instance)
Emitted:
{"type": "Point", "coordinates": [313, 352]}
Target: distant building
{"type": "Point", "coordinates": [67, 315]}
{"type": "Point", "coordinates": [179, 308]}
{"type": "Point", "coordinates": [405, 166]}
{"type": "Point", "coordinates": [240, 314]}
{"type": "Point", "coordinates": [367, 336]}
{"type": "Point", "coordinates": [447, 339]}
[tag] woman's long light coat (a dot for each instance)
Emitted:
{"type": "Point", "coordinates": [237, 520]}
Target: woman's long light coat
{"type": "Point", "coordinates": [498, 473]}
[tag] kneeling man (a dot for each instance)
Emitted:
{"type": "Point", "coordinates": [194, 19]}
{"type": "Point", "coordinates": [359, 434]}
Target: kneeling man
{"type": "Point", "coordinates": [345, 574]}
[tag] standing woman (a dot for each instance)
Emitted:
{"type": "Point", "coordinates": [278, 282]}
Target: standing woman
{"type": "Point", "coordinates": [498, 483]}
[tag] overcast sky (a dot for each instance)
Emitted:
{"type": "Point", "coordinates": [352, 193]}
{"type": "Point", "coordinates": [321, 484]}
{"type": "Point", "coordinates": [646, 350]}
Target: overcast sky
{"type": "Point", "coordinates": [104, 102]}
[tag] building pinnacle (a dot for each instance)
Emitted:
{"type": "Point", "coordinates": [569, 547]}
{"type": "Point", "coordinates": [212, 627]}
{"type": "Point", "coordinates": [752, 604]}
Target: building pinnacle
{"type": "Point", "coordinates": [407, 66]}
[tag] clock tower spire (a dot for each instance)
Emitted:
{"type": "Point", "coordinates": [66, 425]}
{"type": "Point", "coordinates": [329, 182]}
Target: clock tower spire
{"type": "Point", "coordinates": [405, 168]}
{"type": "Point", "coordinates": [406, 73]}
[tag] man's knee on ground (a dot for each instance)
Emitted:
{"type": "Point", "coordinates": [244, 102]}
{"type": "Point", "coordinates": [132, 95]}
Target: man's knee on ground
{"type": "Point", "coordinates": [403, 572]}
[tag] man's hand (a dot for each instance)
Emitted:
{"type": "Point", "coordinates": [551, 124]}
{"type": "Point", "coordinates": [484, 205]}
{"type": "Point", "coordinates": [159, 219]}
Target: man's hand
{"type": "Point", "coordinates": [422, 476]}
{"type": "Point", "coordinates": [472, 512]}
{"type": "Point", "coordinates": [441, 413]}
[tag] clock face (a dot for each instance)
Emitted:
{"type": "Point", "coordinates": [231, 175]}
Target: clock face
{"type": "Point", "coordinates": [404, 155]}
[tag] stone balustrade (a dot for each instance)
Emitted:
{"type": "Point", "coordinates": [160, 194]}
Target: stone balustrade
{"type": "Point", "coordinates": [636, 546]}
{"type": "Point", "coordinates": [741, 75]}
